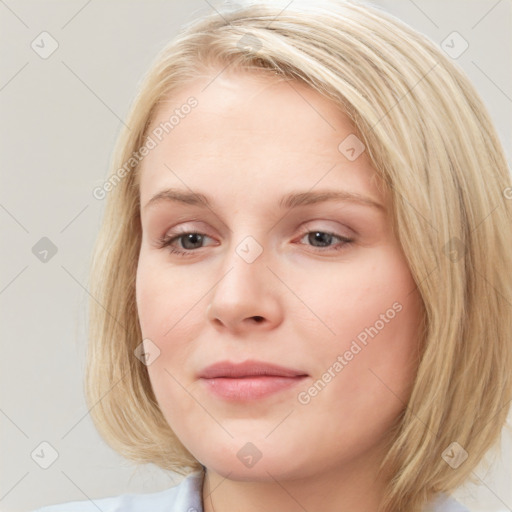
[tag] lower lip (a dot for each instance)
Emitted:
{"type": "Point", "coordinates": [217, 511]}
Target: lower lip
{"type": "Point", "coordinates": [250, 388]}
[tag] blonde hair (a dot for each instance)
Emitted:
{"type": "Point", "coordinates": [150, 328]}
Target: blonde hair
{"type": "Point", "coordinates": [431, 140]}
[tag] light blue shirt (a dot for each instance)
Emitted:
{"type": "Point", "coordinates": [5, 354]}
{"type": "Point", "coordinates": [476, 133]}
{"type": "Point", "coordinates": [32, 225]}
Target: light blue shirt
{"type": "Point", "coordinates": [186, 497]}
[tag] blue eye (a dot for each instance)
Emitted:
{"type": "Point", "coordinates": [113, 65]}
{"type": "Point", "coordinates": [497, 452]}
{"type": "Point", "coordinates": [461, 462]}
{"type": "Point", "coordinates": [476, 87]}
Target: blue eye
{"type": "Point", "coordinates": [324, 237]}
{"type": "Point", "coordinates": [191, 240]}
{"type": "Point", "coordinates": [187, 238]}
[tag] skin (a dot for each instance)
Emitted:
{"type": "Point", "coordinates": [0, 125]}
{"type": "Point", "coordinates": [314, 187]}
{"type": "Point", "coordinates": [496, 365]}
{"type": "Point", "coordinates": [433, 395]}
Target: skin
{"type": "Point", "coordinates": [250, 141]}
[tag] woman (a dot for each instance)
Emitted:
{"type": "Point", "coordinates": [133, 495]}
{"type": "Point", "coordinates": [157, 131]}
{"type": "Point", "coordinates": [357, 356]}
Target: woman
{"type": "Point", "coordinates": [301, 286]}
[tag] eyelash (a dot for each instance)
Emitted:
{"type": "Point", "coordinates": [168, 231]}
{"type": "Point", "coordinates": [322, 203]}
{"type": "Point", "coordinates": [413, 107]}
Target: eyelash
{"type": "Point", "coordinates": [167, 240]}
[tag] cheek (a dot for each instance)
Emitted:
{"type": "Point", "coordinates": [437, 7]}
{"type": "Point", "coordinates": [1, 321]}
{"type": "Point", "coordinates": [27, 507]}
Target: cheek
{"type": "Point", "coordinates": [375, 311]}
{"type": "Point", "coordinates": [165, 299]}
{"type": "Point", "coordinates": [373, 288]}
{"type": "Point", "coordinates": [146, 291]}
{"type": "Point", "coordinates": [168, 305]}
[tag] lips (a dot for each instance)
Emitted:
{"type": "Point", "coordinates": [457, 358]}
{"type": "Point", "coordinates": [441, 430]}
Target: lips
{"type": "Point", "coordinates": [249, 380]}
{"type": "Point", "coordinates": [247, 369]}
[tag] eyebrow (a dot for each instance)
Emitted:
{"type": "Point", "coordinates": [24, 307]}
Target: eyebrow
{"type": "Point", "coordinates": [289, 201]}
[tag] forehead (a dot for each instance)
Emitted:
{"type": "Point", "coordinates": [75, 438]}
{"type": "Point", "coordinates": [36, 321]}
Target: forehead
{"type": "Point", "coordinates": [251, 134]}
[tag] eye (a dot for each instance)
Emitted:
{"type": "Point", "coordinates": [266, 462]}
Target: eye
{"type": "Point", "coordinates": [325, 239]}
{"type": "Point", "coordinates": [190, 240]}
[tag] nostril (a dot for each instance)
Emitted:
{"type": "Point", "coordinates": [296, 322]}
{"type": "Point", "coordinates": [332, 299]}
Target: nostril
{"type": "Point", "coordinates": [258, 319]}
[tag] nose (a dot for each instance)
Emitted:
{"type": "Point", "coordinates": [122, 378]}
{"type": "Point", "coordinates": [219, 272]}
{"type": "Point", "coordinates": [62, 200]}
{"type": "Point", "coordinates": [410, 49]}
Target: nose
{"type": "Point", "coordinates": [246, 296]}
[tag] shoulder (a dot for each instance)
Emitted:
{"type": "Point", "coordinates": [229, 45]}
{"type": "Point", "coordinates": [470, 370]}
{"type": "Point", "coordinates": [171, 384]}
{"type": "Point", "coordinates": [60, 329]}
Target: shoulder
{"type": "Point", "coordinates": [445, 503]}
{"type": "Point", "coordinates": [185, 497]}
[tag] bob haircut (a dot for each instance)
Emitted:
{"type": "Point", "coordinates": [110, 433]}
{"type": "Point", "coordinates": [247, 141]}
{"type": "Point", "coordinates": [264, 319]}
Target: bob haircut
{"type": "Point", "coordinates": [430, 139]}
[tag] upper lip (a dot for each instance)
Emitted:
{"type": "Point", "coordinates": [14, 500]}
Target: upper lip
{"type": "Point", "coordinates": [248, 369]}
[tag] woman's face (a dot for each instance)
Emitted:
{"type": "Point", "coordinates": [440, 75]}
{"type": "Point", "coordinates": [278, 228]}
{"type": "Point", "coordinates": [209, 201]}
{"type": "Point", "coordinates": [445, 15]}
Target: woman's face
{"type": "Point", "coordinates": [269, 277]}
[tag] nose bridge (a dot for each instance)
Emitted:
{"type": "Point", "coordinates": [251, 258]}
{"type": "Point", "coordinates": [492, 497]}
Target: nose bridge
{"type": "Point", "coordinates": [244, 268]}
{"type": "Point", "coordinates": [248, 245]}
{"type": "Point", "coordinates": [245, 290]}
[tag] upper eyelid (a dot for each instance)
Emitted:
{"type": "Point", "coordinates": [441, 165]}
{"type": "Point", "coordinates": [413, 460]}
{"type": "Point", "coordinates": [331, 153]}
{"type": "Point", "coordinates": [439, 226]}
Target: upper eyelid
{"type": "Point", "coordinates": [305, 227]}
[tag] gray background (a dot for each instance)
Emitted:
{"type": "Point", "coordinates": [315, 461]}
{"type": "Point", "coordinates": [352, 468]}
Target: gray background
{"type": "Point", "coordinates": [60, 117]}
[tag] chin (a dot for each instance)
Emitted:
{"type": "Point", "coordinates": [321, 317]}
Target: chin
{"type": "Point", "coordinates": [258, 462]}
